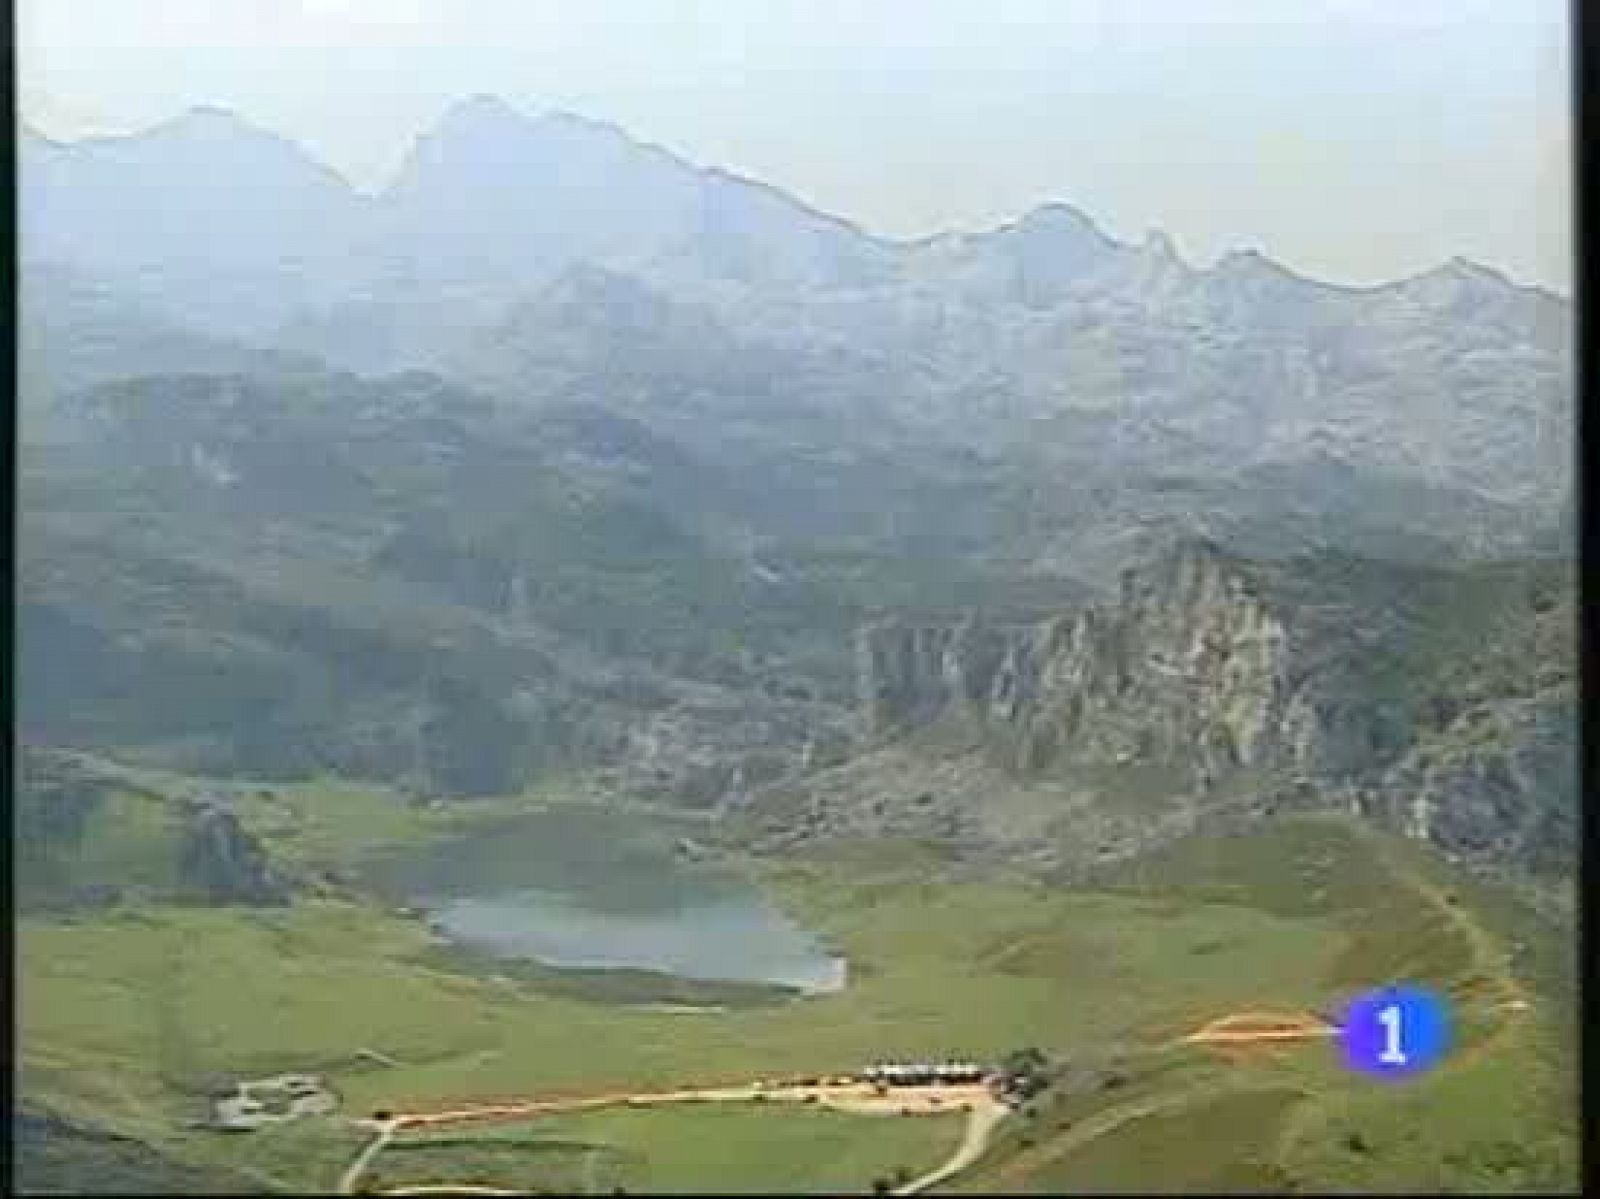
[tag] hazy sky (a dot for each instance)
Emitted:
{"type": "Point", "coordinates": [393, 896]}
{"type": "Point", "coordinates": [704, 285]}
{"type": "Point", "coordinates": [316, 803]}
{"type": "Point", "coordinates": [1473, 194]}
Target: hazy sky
{"type": "Point", "coordinates": [1355, 140]}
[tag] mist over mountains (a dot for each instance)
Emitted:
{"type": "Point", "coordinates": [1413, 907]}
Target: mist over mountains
{"type": "Point", "coordinates": [510, 249]}
{"type": "Point", "coordinates": [434, 601]}
{"type": "Point", "coordinates": [563, 452]}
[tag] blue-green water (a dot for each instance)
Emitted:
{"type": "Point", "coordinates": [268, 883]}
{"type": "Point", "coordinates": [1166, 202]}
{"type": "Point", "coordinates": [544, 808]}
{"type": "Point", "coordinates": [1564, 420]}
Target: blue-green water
{"type": "Point", "coordinates": [578, 889]}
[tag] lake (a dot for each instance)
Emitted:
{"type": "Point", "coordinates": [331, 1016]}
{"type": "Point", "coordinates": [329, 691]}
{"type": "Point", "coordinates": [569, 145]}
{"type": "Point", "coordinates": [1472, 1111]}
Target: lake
{"type": "Point", "coordinates": [575, 888]}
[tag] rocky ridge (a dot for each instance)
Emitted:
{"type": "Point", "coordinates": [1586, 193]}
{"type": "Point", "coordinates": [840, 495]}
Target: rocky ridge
{"type": "Point", "coordinates": [225, 862]}
{"type": "Point", "coordinates": [1220, 690]}
{"type": "Point", "coordinates": [1192, 665]}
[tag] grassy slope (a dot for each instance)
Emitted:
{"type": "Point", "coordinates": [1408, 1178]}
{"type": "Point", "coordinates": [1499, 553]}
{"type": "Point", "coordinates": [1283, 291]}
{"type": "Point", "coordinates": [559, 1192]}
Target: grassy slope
{"type": "Point", "coordinates": [55, 1157]}
{"type": "Point", "coordinates": [124, 1016]}
{"type": "Point", "coordinates": [126, 837]}
{"type": "Point", "coordinates": [1499, 1114]}
{"type": "Point", "coordinates": [687, 1149]}
{"type": "Point", "coordinates": [1221, 1143]}
{"type": "Point", "coordinates": [1407, 632]}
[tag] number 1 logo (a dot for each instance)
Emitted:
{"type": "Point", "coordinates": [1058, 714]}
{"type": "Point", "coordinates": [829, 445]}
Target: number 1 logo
{"type": "Point", "coordinates": [1392, 1054]}
{"type": "Point", "coordinates": [1395, 1032]}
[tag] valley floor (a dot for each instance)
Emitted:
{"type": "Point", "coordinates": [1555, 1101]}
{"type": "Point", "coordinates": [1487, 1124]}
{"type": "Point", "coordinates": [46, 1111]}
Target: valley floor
{"type": "Point", "coordinates": [128, 1015]}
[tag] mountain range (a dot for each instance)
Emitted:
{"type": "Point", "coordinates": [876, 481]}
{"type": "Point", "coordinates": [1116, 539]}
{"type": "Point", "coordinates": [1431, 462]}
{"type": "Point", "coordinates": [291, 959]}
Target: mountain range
{"type": "Point", "coordinates": [564, 452]}
{"type": "Point", "coordinates": [1083, 644]}
{"type": "Point", "coordinates": [531, 253]}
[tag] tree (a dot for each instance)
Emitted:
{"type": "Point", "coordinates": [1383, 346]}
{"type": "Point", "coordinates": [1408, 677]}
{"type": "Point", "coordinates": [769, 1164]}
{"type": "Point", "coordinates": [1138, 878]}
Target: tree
{"type": "Point", "coordinates": [1026, 1071]}
{"type": "Point", "coordinates": [1030, 1060]}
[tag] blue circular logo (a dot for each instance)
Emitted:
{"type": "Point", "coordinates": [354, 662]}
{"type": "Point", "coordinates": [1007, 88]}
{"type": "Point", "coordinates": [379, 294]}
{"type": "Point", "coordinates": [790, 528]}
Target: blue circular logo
{"type": "Point", "coordinates": [1395, 1032]}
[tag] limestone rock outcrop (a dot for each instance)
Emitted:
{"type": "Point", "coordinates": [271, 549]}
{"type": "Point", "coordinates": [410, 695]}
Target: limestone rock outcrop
{"type": "Point", "coordinates": [228, 864]}
{"type": "Point", "coordinates": [1195, 664]}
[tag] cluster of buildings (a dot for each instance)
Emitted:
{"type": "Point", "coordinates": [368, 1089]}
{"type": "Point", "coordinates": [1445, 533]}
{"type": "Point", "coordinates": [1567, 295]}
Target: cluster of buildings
{"type": "Point", "coordinates": [923, 1074]}
{"type": "Point", "coordinates": [271, 1101]}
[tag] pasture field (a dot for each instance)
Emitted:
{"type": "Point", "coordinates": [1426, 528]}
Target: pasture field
{"type": "Point", "coordinates": [694, 1148]}
{"type": "Point", "coordinates": [126, 1015]}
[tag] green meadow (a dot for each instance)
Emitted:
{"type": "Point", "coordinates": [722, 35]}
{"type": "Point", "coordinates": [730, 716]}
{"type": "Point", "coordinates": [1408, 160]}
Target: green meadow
{"type": "Point", "coordinates": [127, 1015]}
{"type": "Point", "coordinates": [691, 1149]}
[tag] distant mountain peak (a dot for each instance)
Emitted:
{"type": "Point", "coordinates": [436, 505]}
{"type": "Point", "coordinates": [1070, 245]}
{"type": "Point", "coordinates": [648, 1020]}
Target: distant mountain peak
{"type": "Point", "coordinates": [1458, 270]}
{"type": "Point", "coordinates": [566, 118]}
{"type": "Point", "coordinates": [1455, 280]}
{"type": "Point", "coordinates": [480, 129]}
{"type": "Point", "coordinates": [1057, 215]}
{"type": "Point", "coordinates": [1458, 267]}
{"type": "Point", "coordinates": [480, 116]}
{"type": "Point", "coordinates": [486, 117]}
{"type": "Point", "coordinates": [1159, 247]}
{"type": "Point", "coordinates": [485, 132]}
{"type": "Point", "coordinates": [211, 138]}
{"type": "Point", "coordinates": [211, 120]}
{"type": "Point", "coordinates": [485, 104]}
{"type": "Point", "coordinates": [1252, 264]}
{"type": "Point", "coordinates": [208, 119]}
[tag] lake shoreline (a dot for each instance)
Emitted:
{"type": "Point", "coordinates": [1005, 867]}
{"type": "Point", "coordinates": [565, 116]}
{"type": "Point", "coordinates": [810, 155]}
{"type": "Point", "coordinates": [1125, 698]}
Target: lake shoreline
{"type": "Point", "coordinates": [603, 907]}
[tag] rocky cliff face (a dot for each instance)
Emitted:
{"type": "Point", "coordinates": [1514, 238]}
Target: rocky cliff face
{"type": "Point", "coordinates": [1499, 782]}
{"type": "Point", "coordinates": [709, 748]}
{"type": "Point", "coordinates": [1194, 665]}
{"type": "Point", "coordinates": [225, 862]}
{"type": "Point", "coordinates": [1437, 703]}
{"type": "Point", "coordinates": [1205, 661]}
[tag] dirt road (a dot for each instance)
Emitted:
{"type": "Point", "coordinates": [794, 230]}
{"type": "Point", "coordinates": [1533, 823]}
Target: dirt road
{"type": "Point", "coordinates": [859, 1098]}
{"type": "Point", "coordinates": [385, 1130]}
{"type": "Point", "coordinates": [984, 1110]}
{"type": "Point", "coordinates": [451, 1188]}
{"type": "Point", "coordinates": [1260, 1028]}
{"type": "Point", "coordinates": [1506, 996]}
{"type": "Point", "coordinates": [980, 1126]}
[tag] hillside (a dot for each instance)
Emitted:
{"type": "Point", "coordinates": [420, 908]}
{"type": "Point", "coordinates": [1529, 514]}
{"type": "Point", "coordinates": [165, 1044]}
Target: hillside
{"type": "Point", "coordinates": [1293, 914]}
{"type": "Point", "coordinates": [432, 603]}
{"type": "Point", "coordinates": [690, 294]}
{"type": "Point", "coordinates": [1439, 701]}
{"type": "Point", "coordinates": [404, 579]}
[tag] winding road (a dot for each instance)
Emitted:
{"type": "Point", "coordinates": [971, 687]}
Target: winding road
{"type": "Point", "coordinates": [985, 1111]}
{"type": "Point", "coordinates": [385, 1133]}
{"type": "Point", "coordinates": [451, 1188]}
{"type": "Point", "coordinates": [980, 1126]}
